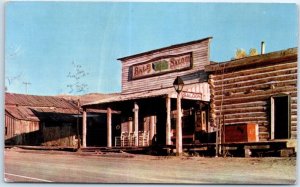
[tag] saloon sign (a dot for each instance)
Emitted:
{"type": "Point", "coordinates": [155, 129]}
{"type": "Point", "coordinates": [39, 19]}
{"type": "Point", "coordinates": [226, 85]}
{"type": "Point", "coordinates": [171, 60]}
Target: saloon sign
{"type": "Point", "coordinates": [162, 65]}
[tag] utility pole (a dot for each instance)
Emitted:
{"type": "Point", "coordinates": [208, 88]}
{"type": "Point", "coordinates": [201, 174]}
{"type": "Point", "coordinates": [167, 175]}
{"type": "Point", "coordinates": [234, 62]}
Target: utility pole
{"type": "Point", "coordinates": [26, 86]}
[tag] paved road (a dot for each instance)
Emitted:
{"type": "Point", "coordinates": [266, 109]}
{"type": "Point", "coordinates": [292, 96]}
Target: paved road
{"type": "Point", "coordinates": [49, 166]}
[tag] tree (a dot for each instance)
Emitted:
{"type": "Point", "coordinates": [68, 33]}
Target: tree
{"type": "Point", "coordinates": [241, 53]}
{"type": "Point", "coordinates": [253, 52]}
{"type": "Point", "coordinates": [77, 75]}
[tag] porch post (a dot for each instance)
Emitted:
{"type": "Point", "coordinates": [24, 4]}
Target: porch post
{"type": "Point", "coordinates": [151, 133]}
{"type": "Point", "coordinates": [109, 127]}
{"type": "Point", "coordinates": [178, 127]}
{"type": "Point", "coordinates": [84, 128]}
{"type": "Point", "coordinates": [130, 126]}
{"type": "Point", "coordinates": [136, 124]}
{"type": "Point", "coordinates": [168, 122]}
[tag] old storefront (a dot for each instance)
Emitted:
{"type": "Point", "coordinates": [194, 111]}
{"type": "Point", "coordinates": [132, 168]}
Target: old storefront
{"type": "Point", "coordinates": [147, 103]}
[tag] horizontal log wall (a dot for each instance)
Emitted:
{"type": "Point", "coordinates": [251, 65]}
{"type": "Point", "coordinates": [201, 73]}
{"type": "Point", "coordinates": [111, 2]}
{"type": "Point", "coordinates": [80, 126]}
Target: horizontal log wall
{"type": "Point", "coordinates": [200, 57]}
{"type": "Point", "coordinates": [243, 96]}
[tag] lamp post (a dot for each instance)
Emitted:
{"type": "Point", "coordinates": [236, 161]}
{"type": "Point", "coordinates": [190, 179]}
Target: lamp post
{"type": "Point", "coordinates": [178, 85]}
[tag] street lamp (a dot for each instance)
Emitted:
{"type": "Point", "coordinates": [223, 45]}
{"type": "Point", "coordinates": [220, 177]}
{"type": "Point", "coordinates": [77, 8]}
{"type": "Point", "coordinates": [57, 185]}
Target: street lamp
{"type": "Point", "coordinates": [178, 86]}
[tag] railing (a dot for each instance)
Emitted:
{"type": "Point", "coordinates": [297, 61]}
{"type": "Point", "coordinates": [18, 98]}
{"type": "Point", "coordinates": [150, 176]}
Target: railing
{"type": "Point", "coordinates": [128, 139]}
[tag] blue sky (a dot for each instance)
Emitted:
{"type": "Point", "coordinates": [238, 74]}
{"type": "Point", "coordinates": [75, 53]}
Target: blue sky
{"type": "Point", "coordinates": [42, 39]}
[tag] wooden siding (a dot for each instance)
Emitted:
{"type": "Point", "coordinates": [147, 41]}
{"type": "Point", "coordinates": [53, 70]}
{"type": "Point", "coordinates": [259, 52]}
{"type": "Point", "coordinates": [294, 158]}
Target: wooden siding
{"type": "Point", "coordinates": [63, 135]}
{"type": "Point", "coordinates": [21, 132]}
{"type": "Point", "coordinates": [244, 95]}
{"type": "Point", "coordinates": [9, 126]}
{"type": "Point", "coordinates": [200, 58]}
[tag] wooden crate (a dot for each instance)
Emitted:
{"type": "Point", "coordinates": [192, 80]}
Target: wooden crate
{"type": "Point", "coordinates": [243, 132]}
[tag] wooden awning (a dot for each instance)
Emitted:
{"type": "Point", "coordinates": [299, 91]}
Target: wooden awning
{"type": "Point", "coordinates": [198, 91]}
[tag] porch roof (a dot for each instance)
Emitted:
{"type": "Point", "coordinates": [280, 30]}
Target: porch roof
{"type": "Point", "coordinates": [201, 88]}
{"type": "Point", "coordinates": [133, 96]}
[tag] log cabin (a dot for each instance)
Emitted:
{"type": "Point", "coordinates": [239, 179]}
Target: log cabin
{"type": "Point", "coordinates": [254, 100]}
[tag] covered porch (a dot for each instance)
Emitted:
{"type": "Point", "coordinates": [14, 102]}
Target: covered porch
{"type": "Point", "coordinates": [149, 118]}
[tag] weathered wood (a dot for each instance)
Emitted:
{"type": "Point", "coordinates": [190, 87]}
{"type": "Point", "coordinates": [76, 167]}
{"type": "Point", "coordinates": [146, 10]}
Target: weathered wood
{"type": "Point", "coordinates": [270, 58]}
{"type": "Point", "coordinates": [254, 87]}
{"type": "Point", "coordinates": [294, 123]}
{"type": "Point", "coordinates": [236, 105]}
{"type": "Point", "coordinates": [288, 77]}
{"type": "Point", "coordinates": [294, 117]}
{"type": "Point", "coordinates": [240, 110]}
{"type": "Point", "coordinates": [136, 124]}
{"type": "Point", "coordinates": [264, 129]}
{"type": "Point", "coordinates": [168, 121]}
{"type": "Point", "coordinates": [200, 59]}
{"type": "Point", "coordinates": [241, 105]}
{"type": "Point", "coordinates": [294, 128]}
{"type": "Point", "coordinates": [254, 77]}
{"type": "Point", "coordinates": [218, 76]}
{"type": "Point", "coordinates": [178, 126]}
{"type": "Point", "coordinates": [109, 119]}
{"type": "Point", "coordinates": [286, 152]}
{"type": "Point", "coordinates": [245, 120]}
{"type": "Point", "coordinates": [84, 128]}
{"type": "Point", "coordinates": [252, 97]}
{"type": "Point", "coordinates": [188, 45]}
{"type": "Point", "coordinates": [244, 115]}
{"type": "Point", "coordinates": [130, 126]}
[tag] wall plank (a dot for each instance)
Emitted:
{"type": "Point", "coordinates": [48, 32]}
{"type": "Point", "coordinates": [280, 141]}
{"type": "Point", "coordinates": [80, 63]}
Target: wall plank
{"type": "Point", "coordinates": [200, 60]}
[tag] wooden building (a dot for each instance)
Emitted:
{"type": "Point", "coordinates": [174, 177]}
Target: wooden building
{"type": "Point", "coordinates": [96, 119]}
{"type": "Point", "coordinates": [248, 103]}
{"type": "Point", "coordinates": [147, 103]}
{"type": "Point", "coordinates": [255, 96]}
{"type": "Point", "coordinates": [52, 120]}
{"type": "Point", "coordinates": [40, 120]}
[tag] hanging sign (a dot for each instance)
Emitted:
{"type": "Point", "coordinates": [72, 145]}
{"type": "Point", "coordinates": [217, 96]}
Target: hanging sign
{"type": "Point", "coordinates": [197, 91]}
{"type": "Point", "coordinates": [162, 65]}
{"type": "Point", "coordinates": [191, 95]}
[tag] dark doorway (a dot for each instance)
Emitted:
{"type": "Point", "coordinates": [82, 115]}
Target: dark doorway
{"type": "Point", "coordinates": [281, 117]}
{"type": "Point", "coordinates": [96, 131]}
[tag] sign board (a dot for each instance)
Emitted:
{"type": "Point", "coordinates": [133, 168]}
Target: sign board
{"type": "Point", "coordinates": [191, 95]}
{"type": "Point", "coordinates": [197, 91]}
{"type": "Point", "coordinates": [162, 65]}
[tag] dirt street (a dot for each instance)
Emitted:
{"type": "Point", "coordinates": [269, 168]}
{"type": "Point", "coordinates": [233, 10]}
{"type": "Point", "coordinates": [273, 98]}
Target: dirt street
{"type": "Point", "coordinates": [54, 166]}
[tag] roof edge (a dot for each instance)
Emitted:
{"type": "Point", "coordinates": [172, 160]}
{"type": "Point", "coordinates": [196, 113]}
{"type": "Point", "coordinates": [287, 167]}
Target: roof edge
{"type": "Point", "coordinates": [290, 53]}
{"type": "Point", "coordinates": [164, 48]}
